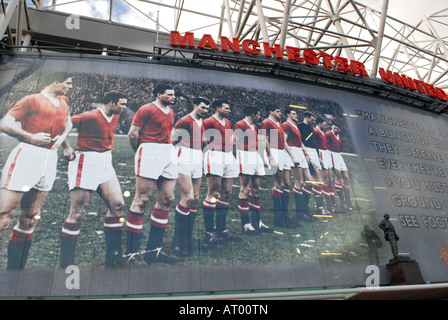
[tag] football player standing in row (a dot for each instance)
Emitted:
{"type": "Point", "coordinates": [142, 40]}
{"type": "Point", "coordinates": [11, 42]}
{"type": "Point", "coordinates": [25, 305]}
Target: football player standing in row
{"type": "Point", "coordinates": [272, 129]}
{"type": "Point", "coordinates": [90, 169]}
{"type": "Point", "coordinates": [300, 170]}
{"type": "Point", "coordinates": [188, 136]}
{"type": "Point", "coordinates": [309, 140]}
{"type": "Point", "coordinates": [220, 169]}
{"type": "Point", "coordinates": [342, 178]}
{"type": "Point", "coordinates": [251, 169]}
{"type": "Point", "coordinates": [325, 159]}
{"type": "Point", "coordinates": [41, 122]}
{"type": "Point", "coordinates": [155, 166]}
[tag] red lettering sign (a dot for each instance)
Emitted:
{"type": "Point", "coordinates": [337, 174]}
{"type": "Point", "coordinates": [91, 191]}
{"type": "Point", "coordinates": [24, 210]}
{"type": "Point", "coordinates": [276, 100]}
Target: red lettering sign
{"type": "Point", "coordinates": [412, 84]}
{"type": "Point", "coordinates": [207, 42]}
{"type": "Point", "coordinates": [293, 54]}
{"type": "Point", "coordinates": [234, 45]}
{"type": "Point", "coordinates": [307, 56]}
{"type": "Point", "coordinates": [268, 50]}
{"type": "Point", "coordinates": [327, 60]}
{"type": "Point", "coordinates": [176, 39]}
{"type": "Point", "coordinates": [311, 57]}
{"type": "Point", "coordinates": [251, 47]}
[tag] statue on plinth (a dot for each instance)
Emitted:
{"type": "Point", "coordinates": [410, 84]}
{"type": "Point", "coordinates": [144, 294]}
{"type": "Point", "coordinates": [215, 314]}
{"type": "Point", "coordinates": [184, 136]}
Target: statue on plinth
{"type": "Point", "coordinates": [389, 234]}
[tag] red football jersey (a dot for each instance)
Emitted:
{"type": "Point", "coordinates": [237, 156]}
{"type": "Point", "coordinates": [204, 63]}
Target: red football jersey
{"type": "Point", "coordinates": [155, 124]}
{"type": "Point", "coordinates": [294, 137]}
{"type": "Point", "coordinates": [320, 139]}
{"type": "Point", "coordinates": [37, 113]}
{"type": "Point", "coordinates": [246, 136]}
{"type": "Point", "coordinates": [274, 133]}
{"type": "Point", "coordinates": [333, 141]}
{"type": "Point", "coordinates": [95, 131]}
{"type": "Point", "coordinates": [224, 130]}
{"type": "Point", "coordinates": [195, 130]}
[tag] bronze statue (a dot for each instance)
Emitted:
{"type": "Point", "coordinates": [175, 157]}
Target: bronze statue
{"type": "Point", "coordinates": [390, 234]}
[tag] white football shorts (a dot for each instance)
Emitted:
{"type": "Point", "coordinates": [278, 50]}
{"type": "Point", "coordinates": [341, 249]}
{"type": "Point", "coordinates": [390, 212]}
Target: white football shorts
{"type": "Point", "coordinates": [155, 160]}
{"type": "Point", "coordinates": [220, 163]}
{"type": "Point", "coordinates": [338, 161]}
{"type": "Point", "coordinates": [189, 162]}
{"type": "Point", "coordinates": [90, 169]}
{"type": "Point", "coordinates": [250, 163]}
{"type": "Point", "coordinates": [299, 157]}
{"type": "Point", "coordinates": [314, 157]}
{"type": "Point", "coordinates": [28, 167]}
{"type": "Point", "coordinates": [325, 157]}
{"type": "Point", "coordinates": [283, 159]}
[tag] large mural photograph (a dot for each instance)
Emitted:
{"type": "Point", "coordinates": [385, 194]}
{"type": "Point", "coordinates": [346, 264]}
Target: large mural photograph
{"type": "Point", "coordinates": [144, 178]}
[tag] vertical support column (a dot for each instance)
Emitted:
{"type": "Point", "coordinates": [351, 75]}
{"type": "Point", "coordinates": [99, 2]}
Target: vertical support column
{"type": "Point", "coordinates": [111, 10]}
{"type": "Point", "coordinates": [285, 22]}
{"type": "Point", "coordinates": [228, 18]}
{"type": "Point", "coordinates": [6, 18]}
{"type": "Point", "coordinates": [246, 17]}
{"type": "Point", "coordinates": [337, 23]}
{"type": "Point", "coordinates": [379, 42]}
{"type": "Point", "coordinates": [20, 8]}
{"type": "Point", "coordinates": [26, 43]}
{"type": "Point", "coordinates": [262, 21]}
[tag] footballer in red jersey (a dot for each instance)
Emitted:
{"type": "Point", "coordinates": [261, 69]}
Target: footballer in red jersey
{"type": "Point", "coordinates": [314, 187]}
{"type": "Point", "coordinates": [91, 170]}
{"type": "Point", "coordinates": [155, 166]}
{"type": "Point", "coordinates": [300, 170]}
{"type": "Point", "coordinates": [220, 169]}
{"type": "Point", "coordinates": [30, 170]}
{"type": "Point", "coordinates": [342, 178]}
{"type": "Point", "coordinates": [188, 136]}
{"type": "Point", "coordinates": [279, 149]}
{"type": "Point", "coordinates": [326, 163]}
{"type": "Point", "coordinates": [251, 169]}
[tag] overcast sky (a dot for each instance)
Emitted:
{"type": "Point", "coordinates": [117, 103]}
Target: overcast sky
{"type": "Point", "coordinates": [409, 11]}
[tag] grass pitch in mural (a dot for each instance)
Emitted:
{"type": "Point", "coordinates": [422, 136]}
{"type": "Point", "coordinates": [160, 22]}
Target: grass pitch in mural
{"type": "Point", "coordinates": [147, 178]}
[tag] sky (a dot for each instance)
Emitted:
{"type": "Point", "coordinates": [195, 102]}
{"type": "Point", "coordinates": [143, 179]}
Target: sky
{"type": "Point", "coordinates": [409, 11]}
{"type": "Point", "coordinates": [126, 11]}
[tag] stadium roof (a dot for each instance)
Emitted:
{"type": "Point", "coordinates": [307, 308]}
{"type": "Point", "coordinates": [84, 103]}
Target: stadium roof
{"type": "Point", "coordinates": [344, 28]}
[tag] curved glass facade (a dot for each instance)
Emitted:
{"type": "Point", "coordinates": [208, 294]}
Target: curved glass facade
{"type": "Point", "coordinates": [395, 163]}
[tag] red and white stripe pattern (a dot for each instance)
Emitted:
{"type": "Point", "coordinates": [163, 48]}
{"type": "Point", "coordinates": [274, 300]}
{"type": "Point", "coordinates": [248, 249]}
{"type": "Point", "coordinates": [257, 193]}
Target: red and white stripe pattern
{"type": "Point", "coordinates": [222, 204]}
{"type": "Point", "coordinates": [79, 172]}
{"type": "Point", "coordinates": [254, 203]}
{"type": "Point", "coordinates": [208, 205]}
{"type": "Point", "coordinates": [11, 168]}
{"type": "Point", "coordinates": [19, 235]}
{"type": "Point", "coordinates": [297, 191]}
{"type": "Point", "coordinates": [326, 191]}
{"type": "Point", "coordinates": [243, 205]}
{"type": "Point", "coordinates": [139, 162]}
{"type": "Point", "coordinates": [317, 189]}
{"type": "Point", "coordinates": [331, 191]}
{"type": "Point", "coordinates": [134, 222]}
{"type": "Point", "coordinates": [113, 223]}
{"type": "Point", "coordinates": [70, 230]}
{"type": "Point", "coordinates": [182, 210]}
{"type": "Point", "coordinates": [159, 218]}
{"type": "Point", "coordinates": [306, 190]}
{"type": "Point", "coordinates": [277, 193]}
